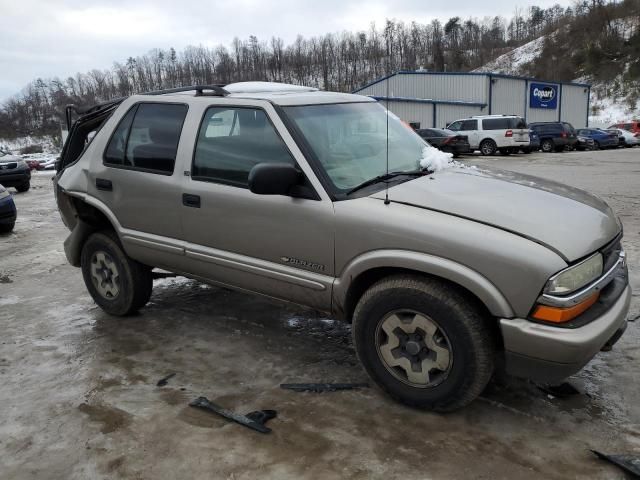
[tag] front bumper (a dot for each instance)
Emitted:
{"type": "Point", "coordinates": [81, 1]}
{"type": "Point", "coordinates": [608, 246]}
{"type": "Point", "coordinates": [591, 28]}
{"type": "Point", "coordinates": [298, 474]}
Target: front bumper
{"type": "Point", "coordinates": [14, 178]}
{"type": "Point", "coordinates": [7, 211]}
{"type": "Point", "coordinates": [550, 354]}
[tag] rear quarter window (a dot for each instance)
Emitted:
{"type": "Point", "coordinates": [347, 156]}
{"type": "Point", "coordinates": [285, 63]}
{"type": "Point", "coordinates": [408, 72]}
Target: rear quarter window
{"type": "Point", "coordinates": [496, 124]}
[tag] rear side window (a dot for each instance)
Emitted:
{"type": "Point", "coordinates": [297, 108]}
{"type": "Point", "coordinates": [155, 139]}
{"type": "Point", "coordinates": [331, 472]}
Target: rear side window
{"type": "Point", "coordinates": [147, 138]}
{"type": "Point", "coordinates": [518, 123]}
{"type": "Point", "coordinates": [496, 124]}
{"type": "Point", "coordinates": [425, 133]}
{"type": "Point", "coordinates": [231, 141]}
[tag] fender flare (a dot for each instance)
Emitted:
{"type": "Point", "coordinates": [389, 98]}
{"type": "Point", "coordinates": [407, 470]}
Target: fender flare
{"type": "Point", "coordinates": [74, 242]}
{"type": "Point", "coordinates": [455, 272]}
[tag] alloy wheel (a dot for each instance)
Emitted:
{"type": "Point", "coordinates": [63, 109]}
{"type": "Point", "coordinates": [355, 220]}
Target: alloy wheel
{"type": "Point", "coordinates": [105, 275]}
{"type": "Point", "coordinates": [413, 348]}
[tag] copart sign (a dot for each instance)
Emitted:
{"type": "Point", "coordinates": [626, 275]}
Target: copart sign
{"type": "Point", "coordinates": [543, 95]}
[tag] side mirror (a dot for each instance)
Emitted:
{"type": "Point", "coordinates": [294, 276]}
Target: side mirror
{"type": "Point", "coordinates": [273, 178]}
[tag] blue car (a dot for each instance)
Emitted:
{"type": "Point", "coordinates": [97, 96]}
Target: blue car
{"type": "Point", "coordinates": [601, 138]}
{"type": "Point", "coordinates": [7, 211]}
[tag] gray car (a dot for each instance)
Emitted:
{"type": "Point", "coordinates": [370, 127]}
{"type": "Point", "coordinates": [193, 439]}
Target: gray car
{"type": "Point", "coordinates": [445, 273]}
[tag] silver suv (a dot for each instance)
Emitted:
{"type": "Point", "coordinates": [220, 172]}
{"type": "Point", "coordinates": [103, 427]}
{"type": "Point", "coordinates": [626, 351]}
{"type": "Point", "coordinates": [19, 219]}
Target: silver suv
{"type": "Point", "coordinates": [289, 192]}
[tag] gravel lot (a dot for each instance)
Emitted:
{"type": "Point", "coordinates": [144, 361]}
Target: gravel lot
{"type": "Point", "coordinates": [78, 394]}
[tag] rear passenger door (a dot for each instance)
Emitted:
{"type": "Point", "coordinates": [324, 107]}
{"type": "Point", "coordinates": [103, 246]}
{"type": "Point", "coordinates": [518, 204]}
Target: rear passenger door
{"type": "Point", "coordinates": [271, 244]}
{"type": "Point", "coordinates": [137, 178]}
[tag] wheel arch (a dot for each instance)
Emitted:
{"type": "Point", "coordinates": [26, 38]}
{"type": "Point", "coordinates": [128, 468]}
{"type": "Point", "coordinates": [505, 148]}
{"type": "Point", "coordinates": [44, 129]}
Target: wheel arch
{"type": "Point", "coordinates": [90, 216]}
{"type": "Point", "coordinates": [363, 272]}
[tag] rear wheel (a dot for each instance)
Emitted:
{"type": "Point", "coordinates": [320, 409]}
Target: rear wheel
{"type": "Point", "coordinates": [488, 147]}
{"type": "Point", "coordinates": [117, 283]}
{"type": "Point", "coordinates": [24, 187]}
{"type": "Point", "coordinates": [596, 145]}
{"type": "Point", "coordinates": [423, 342]}
{"type": "Point", "coordinates": [546, 146]}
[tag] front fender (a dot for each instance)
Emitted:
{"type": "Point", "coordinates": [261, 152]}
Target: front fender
{"type": "Point", "coordinates": [473, 281]}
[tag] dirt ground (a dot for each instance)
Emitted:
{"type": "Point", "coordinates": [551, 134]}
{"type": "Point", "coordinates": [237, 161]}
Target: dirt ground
{"type": "Point", "coordinates": [78, 394]}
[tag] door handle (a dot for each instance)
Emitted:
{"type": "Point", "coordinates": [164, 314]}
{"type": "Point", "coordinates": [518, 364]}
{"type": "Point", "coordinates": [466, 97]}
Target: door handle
{"type": "Point", "coordinates": [189, 200]}
{"type": "Point", "coordinates": [104, 184]}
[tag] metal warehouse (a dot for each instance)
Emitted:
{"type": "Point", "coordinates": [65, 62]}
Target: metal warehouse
{"type": "Point", "coordinates": [434, 99]}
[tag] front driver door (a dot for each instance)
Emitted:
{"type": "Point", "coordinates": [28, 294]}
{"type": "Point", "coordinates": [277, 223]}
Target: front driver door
{"type": "Point", "coordinates": [271, 244]}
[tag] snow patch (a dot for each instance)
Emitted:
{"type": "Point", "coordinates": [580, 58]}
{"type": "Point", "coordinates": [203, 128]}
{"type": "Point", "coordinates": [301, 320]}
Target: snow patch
{"type": "Point", "coordinates": [261, 87]}
{"type": "Point", "coordinates": [436, 160]}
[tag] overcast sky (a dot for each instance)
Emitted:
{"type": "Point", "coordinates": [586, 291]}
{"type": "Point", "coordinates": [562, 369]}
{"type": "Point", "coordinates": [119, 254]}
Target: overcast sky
{"type": "Point", "coordinates": [49, 38]}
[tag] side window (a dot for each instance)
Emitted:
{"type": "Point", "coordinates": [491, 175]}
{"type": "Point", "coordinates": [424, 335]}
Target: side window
{"type": "Point", "coordinates": [469, 125]}
{"type": "Point", "coordinates": [455, 126]}
{"type": "Point", "coordinates": [425, 133]}
{"type": "Point", "coordinates": [496, 124]}
{"type": "Point", "coordinates": [231, 141]}
{"type": "Point", "coordinates": [114, 154]}
{"type": "Point", "coordinates": [147, 138]}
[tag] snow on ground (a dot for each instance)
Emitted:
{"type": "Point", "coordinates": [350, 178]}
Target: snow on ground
{"type": "Point", "coordinates": [512, 63]}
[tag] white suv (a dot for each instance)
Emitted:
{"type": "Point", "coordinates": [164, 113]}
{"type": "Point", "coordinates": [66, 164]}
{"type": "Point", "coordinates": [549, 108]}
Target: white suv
{"type": "Point", "coordinates": [488, 133]}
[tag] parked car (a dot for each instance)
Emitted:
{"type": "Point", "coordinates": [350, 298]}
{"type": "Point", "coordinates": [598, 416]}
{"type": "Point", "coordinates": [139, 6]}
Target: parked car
{"type": "Point", "coordinates": [584, 143]}
{"type": "Point", "coordinates": [554, 136]}
{"type": "Point", "coordinates": [490, 133]}
{"type": "Point", "coordinates": [601, 138]}
{"type": "Point", "coordinates": [625, 137]}
{"type": "Point", "coordinates": [14, 172]}
{"type": "Point", "coordinates": [633, 127]}
{"type": "Point", "coordinates": [324, 199]}
{"type": "Point", "coordinates": [534, 143]}
{"type": "Point", "coordinates": [7, 211]}
{"type": "Point", "coordinates": [34, 164]}
{"type": "Point", "coordinates": [446, 140]}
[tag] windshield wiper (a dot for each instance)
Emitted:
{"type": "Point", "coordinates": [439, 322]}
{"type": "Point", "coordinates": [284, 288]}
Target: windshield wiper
{"type": "Point", "coordinates": [386, 177]}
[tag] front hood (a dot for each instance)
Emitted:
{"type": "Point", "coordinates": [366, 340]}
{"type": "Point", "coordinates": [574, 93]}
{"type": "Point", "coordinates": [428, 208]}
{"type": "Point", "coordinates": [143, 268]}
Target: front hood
{"type": "Point", "coordinates": [567, 220]}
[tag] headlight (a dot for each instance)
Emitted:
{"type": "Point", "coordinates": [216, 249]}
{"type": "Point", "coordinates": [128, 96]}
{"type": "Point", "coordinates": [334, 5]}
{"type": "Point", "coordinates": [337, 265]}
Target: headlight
{"type": "Point", "coordinates": [575, 277]}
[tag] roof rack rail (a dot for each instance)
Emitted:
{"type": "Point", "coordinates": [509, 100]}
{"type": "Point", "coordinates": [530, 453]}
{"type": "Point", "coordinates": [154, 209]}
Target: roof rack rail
{"type": "Point", "coordinates": [216, 90]}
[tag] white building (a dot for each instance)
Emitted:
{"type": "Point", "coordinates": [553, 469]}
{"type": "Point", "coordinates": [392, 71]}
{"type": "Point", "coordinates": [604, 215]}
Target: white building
{"type": "Point", "coordinates": [434, 99]}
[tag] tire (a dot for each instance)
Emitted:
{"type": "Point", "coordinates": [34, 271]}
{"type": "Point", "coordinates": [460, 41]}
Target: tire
{"type": "Point", "coordinates": [24, 187]}
{"type": "Point", "coordinates": [460, 330]}
{"type": "Point", "coordinates": [547, 146]}
{"type": "Point", "coordinates": [117, 283]}
{"type": "Point", "coordinates": [7, 227]}
{"type": "Point", "coordinates": [488, 147]}
{"type": "Point", "coordinates": [596, 145]}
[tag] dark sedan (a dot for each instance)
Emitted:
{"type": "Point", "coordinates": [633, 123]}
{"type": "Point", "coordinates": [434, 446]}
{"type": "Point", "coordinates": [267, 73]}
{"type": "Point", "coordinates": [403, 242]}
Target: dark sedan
{"type": "Point", "coordinates": [14, 172]}
{"type": "Point", "coordinates": [446, 140]}
{"type": "Point", "coordinates": [7, 211]}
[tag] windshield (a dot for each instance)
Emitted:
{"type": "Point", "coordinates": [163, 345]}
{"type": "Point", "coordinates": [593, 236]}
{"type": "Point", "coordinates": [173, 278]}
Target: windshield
{"type": "Point", "coordinates": [350, 141]}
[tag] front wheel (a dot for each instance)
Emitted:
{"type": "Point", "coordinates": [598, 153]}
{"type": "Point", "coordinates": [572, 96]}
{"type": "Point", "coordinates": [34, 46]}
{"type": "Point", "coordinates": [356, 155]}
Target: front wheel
{"type": "Point", "coordinates": [117, 283]}
{"type": "Point", "coordinates": [7, 227]}
{"type": "Point", "coordinates": [423, 342]}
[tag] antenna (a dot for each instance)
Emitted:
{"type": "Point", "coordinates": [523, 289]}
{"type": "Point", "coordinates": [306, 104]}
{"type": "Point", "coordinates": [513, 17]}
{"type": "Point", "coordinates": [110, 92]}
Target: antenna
{"type": "Point", "coordinates": [386, 193]}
